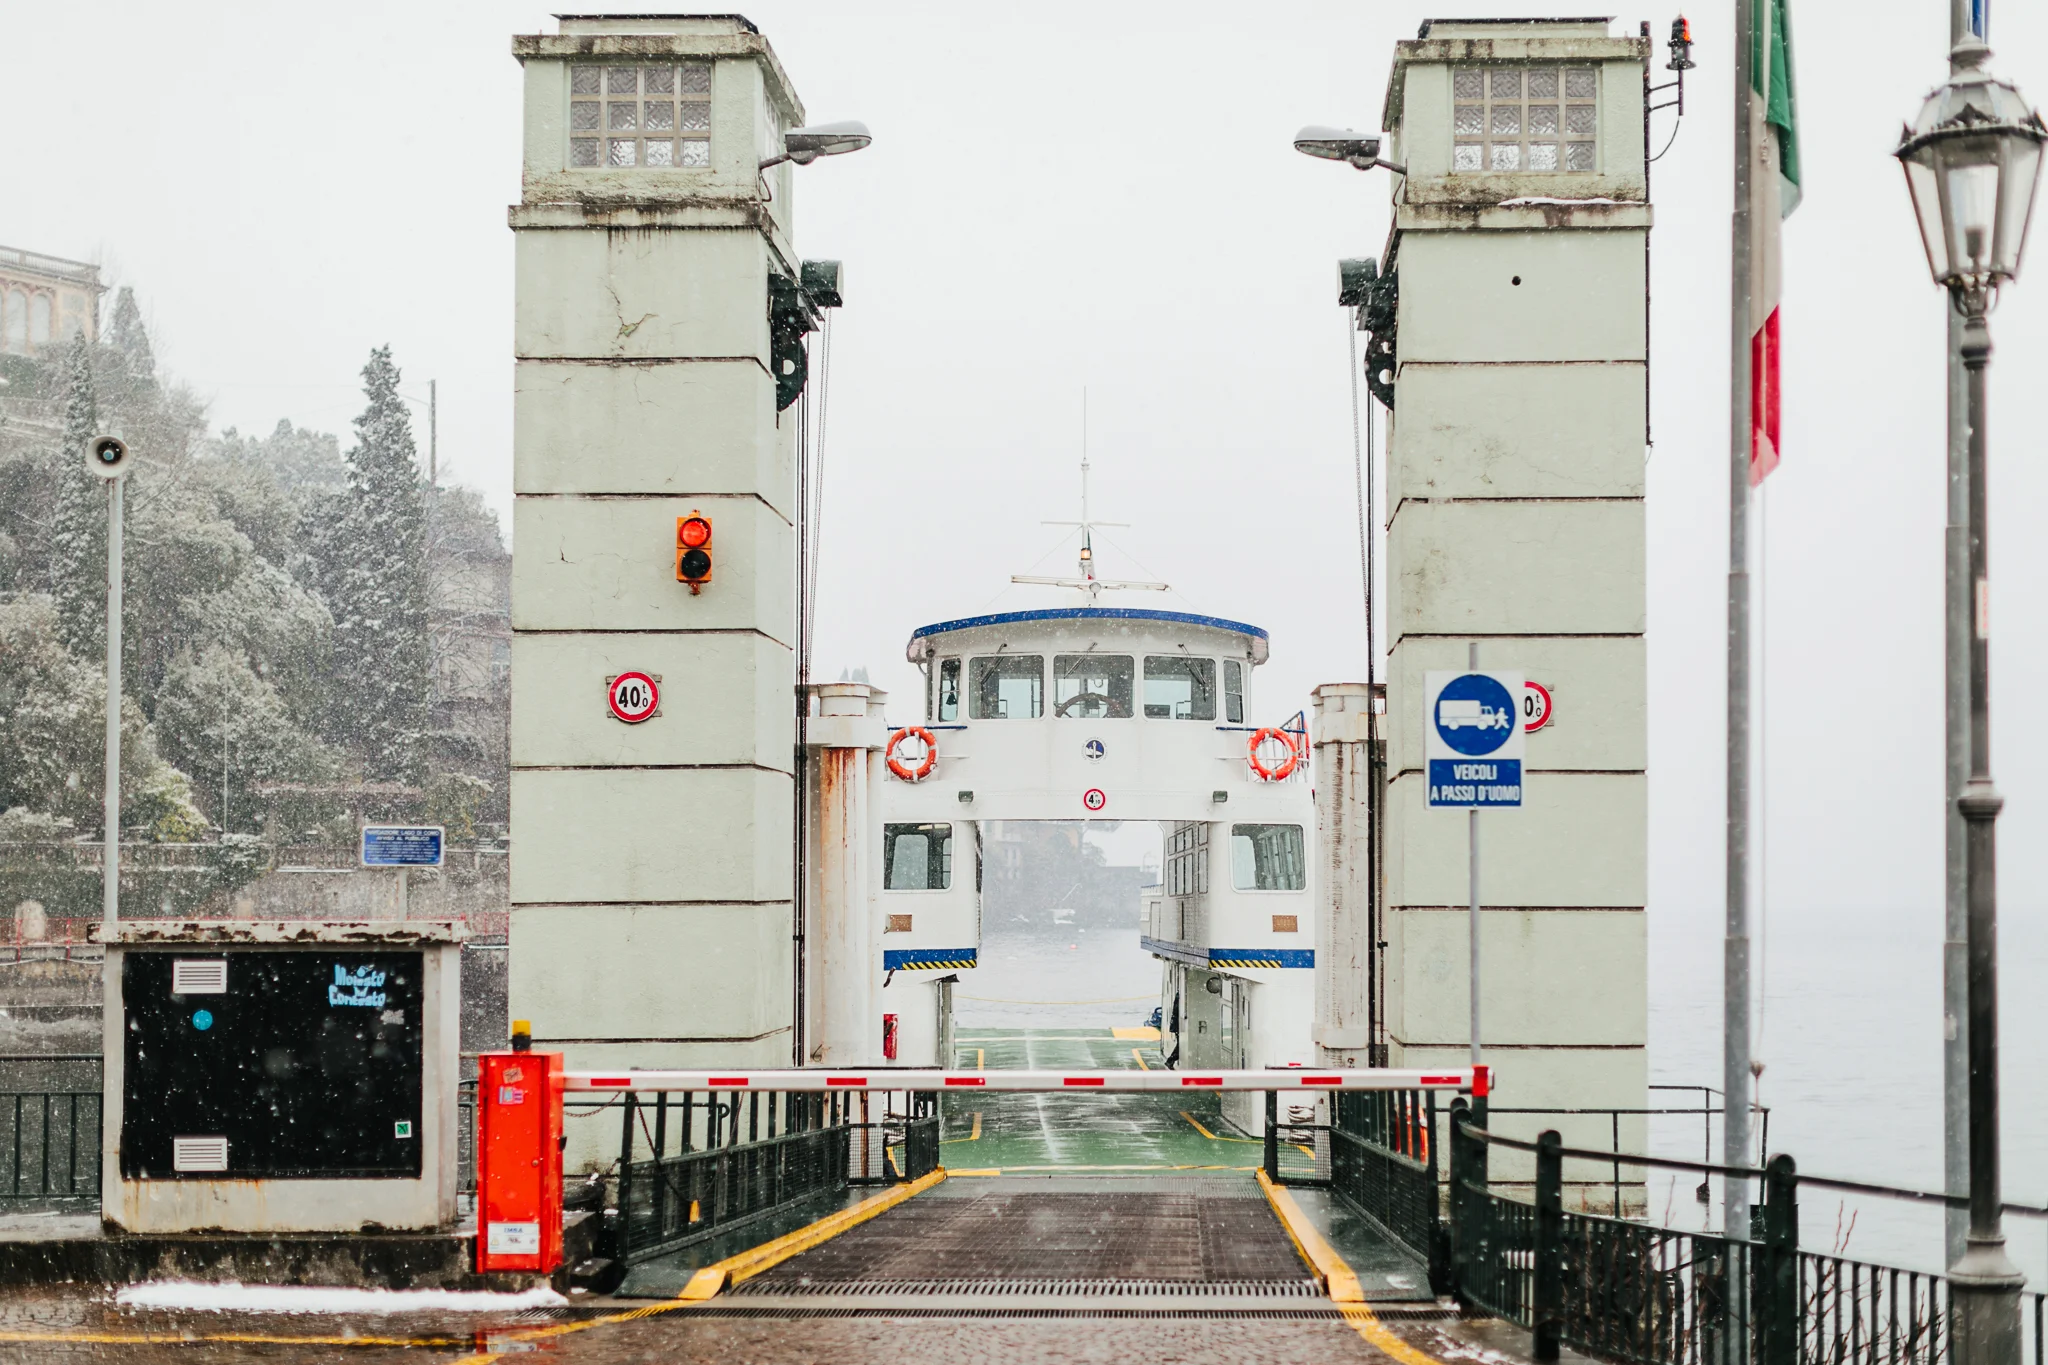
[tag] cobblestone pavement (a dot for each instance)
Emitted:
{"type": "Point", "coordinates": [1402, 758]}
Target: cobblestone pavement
{"type": "Point", "coordinates": [37, 1328]}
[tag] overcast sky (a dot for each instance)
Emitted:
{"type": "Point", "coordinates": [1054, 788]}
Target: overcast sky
{"type": "Point", "coordinates": [1062, 196]}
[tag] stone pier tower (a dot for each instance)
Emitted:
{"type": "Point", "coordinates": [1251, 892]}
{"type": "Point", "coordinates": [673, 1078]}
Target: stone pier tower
{"type": "Point", "coordinates": [1519, 361]}
{"type": "Point", "coordinates": [658, 299]}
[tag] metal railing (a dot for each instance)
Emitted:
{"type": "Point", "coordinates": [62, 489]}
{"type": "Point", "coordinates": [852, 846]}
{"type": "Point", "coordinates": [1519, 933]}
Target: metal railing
{"type": "Point", "coordinates": [52, 1146]}
{"type": "Point", "coordinates": [1616, 1158]}
{"type": "Point", "coordinates": [714, 1162]}
{"type": "Point", "coordinates": [1659, 1296]}
{"type": "Point", "coordinates": [1378, 1155]}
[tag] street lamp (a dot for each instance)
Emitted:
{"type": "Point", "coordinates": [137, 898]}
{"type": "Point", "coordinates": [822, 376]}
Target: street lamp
{"type": "Point", "coordinates": [805, 145]}
{"type": "Point", "coordinates": [1972, 162]}
{"type": "Point", "coordinates": [1341, 144]}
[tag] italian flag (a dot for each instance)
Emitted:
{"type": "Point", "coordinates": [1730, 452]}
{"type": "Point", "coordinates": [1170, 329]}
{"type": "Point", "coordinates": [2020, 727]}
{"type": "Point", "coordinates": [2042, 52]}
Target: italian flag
{"type": "Point", "coordinates": [1773, 174]}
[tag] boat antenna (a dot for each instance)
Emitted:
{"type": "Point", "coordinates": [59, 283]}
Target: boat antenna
{"type": "Point", "coordinates": [1087, 581]}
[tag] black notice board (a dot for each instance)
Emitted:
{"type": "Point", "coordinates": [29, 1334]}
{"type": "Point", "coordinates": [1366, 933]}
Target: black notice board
{"type": "Point", "coordinates": [308, 1064]}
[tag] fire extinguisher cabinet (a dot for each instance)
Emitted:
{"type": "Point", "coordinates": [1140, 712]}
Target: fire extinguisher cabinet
{"type": "Point", "coordinates": [281, 1076]}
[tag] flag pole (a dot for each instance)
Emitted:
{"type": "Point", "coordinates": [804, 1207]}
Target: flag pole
{"type": "Point", "coordinates": [1735, 1054]}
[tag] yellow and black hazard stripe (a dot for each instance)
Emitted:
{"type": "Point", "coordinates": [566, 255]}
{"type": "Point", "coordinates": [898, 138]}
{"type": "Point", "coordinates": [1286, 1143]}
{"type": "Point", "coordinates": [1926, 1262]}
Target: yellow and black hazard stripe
{"type": "Point", "coordinates": [929, 959]}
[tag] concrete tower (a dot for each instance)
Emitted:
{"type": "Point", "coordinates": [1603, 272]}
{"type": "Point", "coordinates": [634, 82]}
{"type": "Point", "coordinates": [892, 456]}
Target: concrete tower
{"type": "Point", "coordinates": [658, 301]}
{"type": "Point", "coordinates": [1515, 519]}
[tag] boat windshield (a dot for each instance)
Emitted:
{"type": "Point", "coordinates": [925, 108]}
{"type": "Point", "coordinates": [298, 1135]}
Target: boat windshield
{"type": "Point", "coordinates": [1008, 686]}
{"type": "Point", "coordinates": [1092, 686]}
{"type": "Point", "coordinates": [1179, 689]}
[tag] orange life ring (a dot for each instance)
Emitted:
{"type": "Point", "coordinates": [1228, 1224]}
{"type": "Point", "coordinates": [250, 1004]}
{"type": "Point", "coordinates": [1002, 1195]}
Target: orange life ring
{"type": "Point", "coordinates": [931, 754]}
{"type": "Point", "coordinates": [1273, 774]}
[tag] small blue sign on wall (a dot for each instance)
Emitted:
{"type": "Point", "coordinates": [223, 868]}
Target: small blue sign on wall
{"type": "Point", "coordinates": [402, 845]}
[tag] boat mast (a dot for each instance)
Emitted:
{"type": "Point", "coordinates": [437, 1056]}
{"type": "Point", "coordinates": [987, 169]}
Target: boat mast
{"type": "Point", "coordinates": [1087, 581]}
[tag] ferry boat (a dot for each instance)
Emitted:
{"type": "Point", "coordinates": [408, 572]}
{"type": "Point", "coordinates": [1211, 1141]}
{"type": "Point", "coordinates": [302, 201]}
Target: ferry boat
{"type": "Point", "coordinates": [1093, 712]}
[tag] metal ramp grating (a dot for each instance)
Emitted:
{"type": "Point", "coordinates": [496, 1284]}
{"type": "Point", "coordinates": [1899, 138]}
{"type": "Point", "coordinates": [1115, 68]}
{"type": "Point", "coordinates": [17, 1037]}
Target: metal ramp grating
{"type": "Point", "coordinates": [1018, 1237]}
{"type": "Point", "coordinates": [1127, 1289]}
{"type": "Point", "coordinates": [1306, 1313]}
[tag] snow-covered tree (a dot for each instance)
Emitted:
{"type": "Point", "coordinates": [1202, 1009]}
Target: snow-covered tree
{"type": "Point", "coordinates": [52, 748]}
{"type": "Point", "coordinates": [129, 340]}
{"type": "Point", "coordinates": [379, 599]}
{"type": "Point", "coordinates": [231, 731]}
{"type": "Point", "coordinates": [78, 518]}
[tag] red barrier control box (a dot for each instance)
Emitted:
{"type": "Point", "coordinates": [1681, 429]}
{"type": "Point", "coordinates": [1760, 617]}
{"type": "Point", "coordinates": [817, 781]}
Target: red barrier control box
{"type": "Point", "coordinates": [519, 1161]}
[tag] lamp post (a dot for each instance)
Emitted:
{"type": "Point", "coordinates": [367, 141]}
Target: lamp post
{"type": "Point", "coordinates": [1972, 160]}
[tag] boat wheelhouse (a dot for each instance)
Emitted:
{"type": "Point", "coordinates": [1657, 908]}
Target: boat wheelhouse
{"type": "Point", "coordinates": [1107, 713]}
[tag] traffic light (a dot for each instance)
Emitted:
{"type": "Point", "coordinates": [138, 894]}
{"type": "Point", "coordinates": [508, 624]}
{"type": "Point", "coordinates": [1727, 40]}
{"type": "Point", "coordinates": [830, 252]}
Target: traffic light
{"type": "Point", "coordinates": [693, 551]}
{"type": "Point", "coordinates": [1681, 46]}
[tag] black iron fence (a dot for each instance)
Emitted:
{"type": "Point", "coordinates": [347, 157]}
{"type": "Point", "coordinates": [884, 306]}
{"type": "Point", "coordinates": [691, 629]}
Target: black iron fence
{"type": "Point", "coordinates": [1621, 1289]}
{"type": "Point", "coordinates": [52, 1147]}
{"type": "Point", "coordinates": [1658, 1296]}
{"type": "Point", "coordinates": [692, 1166]}
{"type": "Point", "coordinates": [1377, 1154]}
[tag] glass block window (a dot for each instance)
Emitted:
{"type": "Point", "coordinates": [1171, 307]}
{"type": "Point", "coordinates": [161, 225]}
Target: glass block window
{"type": "Point", "coordinates": [1524, 118]}
{"type": "Point", "coordinates": [656, 116]}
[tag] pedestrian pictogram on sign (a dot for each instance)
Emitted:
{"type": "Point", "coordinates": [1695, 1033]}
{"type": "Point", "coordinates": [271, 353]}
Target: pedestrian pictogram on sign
{"type": "Point", "coordinates": [633, 697]}
{"type": "Point", "coordinates": [1473, 733]}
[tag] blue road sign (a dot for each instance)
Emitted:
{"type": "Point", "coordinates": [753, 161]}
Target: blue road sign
{"type": "Point", "coordinates": [1473, 733]}
{"type": "Point", "coordinates": [402, 845]}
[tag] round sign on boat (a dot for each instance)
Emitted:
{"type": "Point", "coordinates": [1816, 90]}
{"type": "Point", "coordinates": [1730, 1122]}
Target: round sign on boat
{"type": "Point", "coordinates": [1094, 798]}
{"type": "Point", "coordinates": [633, 697]}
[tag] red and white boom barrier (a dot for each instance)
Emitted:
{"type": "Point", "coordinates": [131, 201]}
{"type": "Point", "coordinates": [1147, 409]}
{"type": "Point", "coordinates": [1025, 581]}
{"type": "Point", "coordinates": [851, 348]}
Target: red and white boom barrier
{"type": "Point", "coordinates": [1470, 1080]}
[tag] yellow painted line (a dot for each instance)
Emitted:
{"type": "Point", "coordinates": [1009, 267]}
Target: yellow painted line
{"type": "Point", "coordinates": [1339, 1281]}
{"type": "Point", "coordinates": [980, 1059]}
{"type": "Point", "coordinates": [1217, 1137]}
{"type": "Point", "coordinates": [709, 1281]}
{"type": "Point", "coordinates": [1363, 1321]}
{"type": "Point", "coordinates": [236, 1338]}
{"type": "Point", "coordinates": [974, 1136]}
{"type": "Point", "coordinates": [991, 1170]}
{"type": "Point", "coordinates": [1136, 1035]}
{"type": "Point", "coordinates": [748, 1264]}
{"type": "Point", "coordinates": [1139, 1058]}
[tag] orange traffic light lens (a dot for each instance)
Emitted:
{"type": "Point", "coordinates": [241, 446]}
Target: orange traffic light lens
{"type": "Point", "coordinates": [693, 532]}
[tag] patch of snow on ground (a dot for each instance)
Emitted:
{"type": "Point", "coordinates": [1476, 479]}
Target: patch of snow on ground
{"type": "Point", "coordinates": [290, 1298]}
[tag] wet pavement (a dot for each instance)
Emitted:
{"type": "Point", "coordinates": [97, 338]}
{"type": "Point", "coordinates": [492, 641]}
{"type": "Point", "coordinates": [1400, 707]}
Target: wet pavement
{"type": "Point", "coordinates": [35, 1329]}
{"type": "Point", "coordinates": [1107, 1228]}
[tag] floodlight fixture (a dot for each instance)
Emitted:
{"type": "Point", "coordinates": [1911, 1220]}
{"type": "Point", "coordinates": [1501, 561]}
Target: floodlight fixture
{"type": "Point", "coordinates": [805, 145]}
{"type": "Point", "coordinates": [1343, 144]}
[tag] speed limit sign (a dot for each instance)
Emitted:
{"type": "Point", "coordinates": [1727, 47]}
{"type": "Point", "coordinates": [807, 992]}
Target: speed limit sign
{"type": "Point", "coordinates": [633, 697]}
